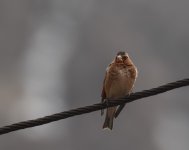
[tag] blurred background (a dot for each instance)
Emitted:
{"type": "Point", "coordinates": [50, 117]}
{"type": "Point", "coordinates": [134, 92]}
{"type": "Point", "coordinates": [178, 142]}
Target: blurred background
{"type": "Point", "coordinates": [53, 56]}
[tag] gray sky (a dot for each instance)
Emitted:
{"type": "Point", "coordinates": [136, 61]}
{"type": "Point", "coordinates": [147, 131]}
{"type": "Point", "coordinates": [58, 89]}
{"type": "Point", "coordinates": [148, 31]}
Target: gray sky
{"type": "Point", "coordinates": [53, 56]}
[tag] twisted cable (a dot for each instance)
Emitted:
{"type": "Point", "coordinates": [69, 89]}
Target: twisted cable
{"type": "Point", "coordinates": [91, 108]}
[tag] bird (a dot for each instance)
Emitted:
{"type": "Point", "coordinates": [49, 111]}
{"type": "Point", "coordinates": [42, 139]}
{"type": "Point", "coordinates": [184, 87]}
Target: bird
{"type": "Point", "coordinates": [119, 81]}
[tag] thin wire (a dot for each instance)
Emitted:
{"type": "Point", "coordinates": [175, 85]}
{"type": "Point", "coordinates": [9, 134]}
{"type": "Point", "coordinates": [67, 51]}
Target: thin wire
{"type": "Point", "coordinates": [95, 107]}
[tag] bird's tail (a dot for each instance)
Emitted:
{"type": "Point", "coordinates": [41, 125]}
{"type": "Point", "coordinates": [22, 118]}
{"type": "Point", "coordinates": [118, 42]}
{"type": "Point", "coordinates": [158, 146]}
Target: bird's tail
{"type": "Point", "coordinates": [109, 118]}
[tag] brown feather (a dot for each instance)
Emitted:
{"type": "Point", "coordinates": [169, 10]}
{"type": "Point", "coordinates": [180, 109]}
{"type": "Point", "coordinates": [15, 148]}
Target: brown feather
{"type": "Point", "coordinates": [119, 81]}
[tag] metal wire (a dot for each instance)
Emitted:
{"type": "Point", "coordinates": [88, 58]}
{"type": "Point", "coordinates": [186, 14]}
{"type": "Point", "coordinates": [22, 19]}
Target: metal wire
{"type": "Point", "coordinates": [95, 107]}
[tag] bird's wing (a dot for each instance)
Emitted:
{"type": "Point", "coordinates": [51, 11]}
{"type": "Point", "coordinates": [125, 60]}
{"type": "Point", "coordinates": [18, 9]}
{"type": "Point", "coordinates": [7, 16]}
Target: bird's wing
{"type": "Point", "coordinates": [104, 94]}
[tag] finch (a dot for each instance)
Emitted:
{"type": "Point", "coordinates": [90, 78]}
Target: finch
{"type": "Point", "coordinates": [118, 82]}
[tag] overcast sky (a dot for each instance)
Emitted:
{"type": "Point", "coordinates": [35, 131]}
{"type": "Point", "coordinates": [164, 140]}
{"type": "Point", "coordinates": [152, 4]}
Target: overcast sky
{"type": "Point", "coordinates": [53, 56]}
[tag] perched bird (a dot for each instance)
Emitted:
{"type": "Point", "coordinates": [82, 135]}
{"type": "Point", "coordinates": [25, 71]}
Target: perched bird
{"type": "Point", "coordinates": [118, 82]}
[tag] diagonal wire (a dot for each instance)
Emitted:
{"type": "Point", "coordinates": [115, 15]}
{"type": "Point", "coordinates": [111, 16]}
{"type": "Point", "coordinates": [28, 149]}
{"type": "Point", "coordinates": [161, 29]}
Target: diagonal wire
{"type": "Point", "coordinates": [95, 107]}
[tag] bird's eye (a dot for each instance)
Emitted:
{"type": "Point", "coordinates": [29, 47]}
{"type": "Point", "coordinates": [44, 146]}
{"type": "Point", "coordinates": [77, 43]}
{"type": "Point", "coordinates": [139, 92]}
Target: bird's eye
{"type": "Point", "coordinates": [125, 57]}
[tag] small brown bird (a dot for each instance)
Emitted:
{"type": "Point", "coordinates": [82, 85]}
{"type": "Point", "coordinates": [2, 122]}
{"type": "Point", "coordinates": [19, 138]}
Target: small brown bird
{"type": "Point", "coordinates": [118, 82]}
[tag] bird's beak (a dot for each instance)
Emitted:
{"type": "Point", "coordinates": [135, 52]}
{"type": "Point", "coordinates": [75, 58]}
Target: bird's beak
{"type": "Point", "coordinates": [119, 59]}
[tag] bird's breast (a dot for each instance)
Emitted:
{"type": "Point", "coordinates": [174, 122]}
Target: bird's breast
{"type": "Point", "coordinates": [118, 85]}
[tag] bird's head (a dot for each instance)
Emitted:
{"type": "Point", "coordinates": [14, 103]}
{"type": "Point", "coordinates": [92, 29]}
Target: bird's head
{"type": "Point", "coordinates": [123, 58]}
